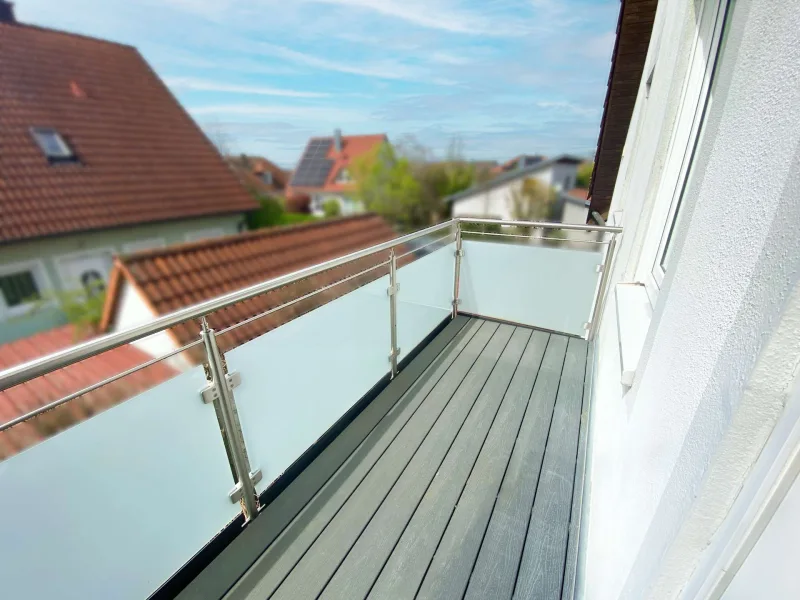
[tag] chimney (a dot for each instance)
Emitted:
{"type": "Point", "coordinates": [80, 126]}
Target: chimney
{"type": "Point", "coordinates": [7, 12]}
{"type": "Point", "coordinates": [337, 138]}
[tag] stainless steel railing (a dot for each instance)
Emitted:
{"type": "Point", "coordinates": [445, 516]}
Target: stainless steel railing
{"type": "Point", "coordinates": [220, 385]}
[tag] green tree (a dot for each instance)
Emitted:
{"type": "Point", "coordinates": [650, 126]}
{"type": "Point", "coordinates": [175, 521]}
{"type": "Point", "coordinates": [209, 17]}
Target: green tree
{"type": "Point", "coordinates": [331, 208]}
{"type": "Point", "coordinates": [386, 185]}
{"type": "Point", "coordinates": [584, 177]}
{"type": "Point", "coordinates": [271, 213]}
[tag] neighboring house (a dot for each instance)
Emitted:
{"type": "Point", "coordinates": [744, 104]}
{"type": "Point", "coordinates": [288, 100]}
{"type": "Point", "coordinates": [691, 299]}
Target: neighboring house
{"type": "Point", "coordinates": [323, 172]}
{"type": "Point", "coordinates": [260, 175]}
{"type": "Point", "coordinates": [153, 283]}
{"type": "Point", "coordinates": [518, 162]}
{"type": "Point", "coordinates": [97, 158]}
{"type": "Point", "coordinates": [23, 399]}
{"type": "Point", "coordinates": [494, 198]}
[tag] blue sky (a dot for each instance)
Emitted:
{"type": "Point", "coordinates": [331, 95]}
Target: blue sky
{"type": "Point", "coordinates": [261, 76]}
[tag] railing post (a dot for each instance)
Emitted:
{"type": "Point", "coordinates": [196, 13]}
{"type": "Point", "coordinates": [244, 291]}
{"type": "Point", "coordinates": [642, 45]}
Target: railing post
{"type": "Point", "coordinates": [599, 301]}
{"type": "Point", "coordinates": [457, 273]}
{"type": "Point", "coordinates": [392, 291]}
{"type": "Point", "coordinates": [221, 394]}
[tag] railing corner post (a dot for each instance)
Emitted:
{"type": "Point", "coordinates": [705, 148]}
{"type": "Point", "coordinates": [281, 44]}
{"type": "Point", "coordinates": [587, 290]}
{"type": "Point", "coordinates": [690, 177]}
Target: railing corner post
{"type": "Point", "coordinates": [457, 274]}
{"type": "Point", "coordinates": [394, 352]}
{"type": "Point", "coordinates": [599, 301]}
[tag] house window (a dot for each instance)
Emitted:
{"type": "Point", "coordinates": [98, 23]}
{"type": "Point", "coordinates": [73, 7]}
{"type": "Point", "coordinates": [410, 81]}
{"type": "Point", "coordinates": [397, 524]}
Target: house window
{"type": "Point", "coordinates": [697, 97]}
{"type": "Point", "coordinates": [567, 183]}
{"type": "Point", "coordinates": [343, 176]}
{"type": "Point", "coordinates": [53, 145]}
{"type": "Point", "coordinates": [19, 288]}
{"type": "Point", "coordinates": [266, 177]}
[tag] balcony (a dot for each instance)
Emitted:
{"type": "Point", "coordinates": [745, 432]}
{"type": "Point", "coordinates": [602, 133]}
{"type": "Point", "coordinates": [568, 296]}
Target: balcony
{"type": "Point", "coordinates": [393, 442]}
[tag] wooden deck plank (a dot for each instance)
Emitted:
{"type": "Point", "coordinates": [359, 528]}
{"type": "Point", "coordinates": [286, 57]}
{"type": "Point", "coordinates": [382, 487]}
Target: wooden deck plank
{"type": "Point", "coordinates": [291, 544]}
{"type": "Point", "coordinates": [495, 570]}
{"type": "Point", "coordinates": [452, 564]}
{"type": "Point", "coordinates": [541, 569]}
{"type": "Point", "coordinates": [214, 581]}
{"type": "Point", "coordinates": [428, 507]}
{"type": "Point", "coordinates": [439, 421]}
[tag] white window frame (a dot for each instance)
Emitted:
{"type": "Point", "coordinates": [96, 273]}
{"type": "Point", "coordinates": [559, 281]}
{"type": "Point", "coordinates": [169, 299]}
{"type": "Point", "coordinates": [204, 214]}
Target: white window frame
{"type": "Point", "coordinates": [37, 269]}
{"type": "Point", "coordinates": [204, 234]}
{"type": "Point", "coordinates": [695, 99]}
{"type": "Point", "coordinates": [145, 244]}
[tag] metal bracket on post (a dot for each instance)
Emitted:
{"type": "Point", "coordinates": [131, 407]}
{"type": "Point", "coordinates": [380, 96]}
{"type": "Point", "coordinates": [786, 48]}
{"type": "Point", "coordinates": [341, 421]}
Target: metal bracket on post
{"type": "Point", "coordinates": [394, 352]}
{"type": "Point", "coordinates": [210, 393]}
{"type": "Point", "coordinates": [457, 274]}
{"type": "Point", "coordinates": [221, 396]}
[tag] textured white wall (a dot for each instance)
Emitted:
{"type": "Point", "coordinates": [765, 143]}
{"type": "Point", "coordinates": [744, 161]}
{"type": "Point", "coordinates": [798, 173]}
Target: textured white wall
{"type": "Point", "coordinates": [669, 456]}
{"type": "Point", "coordinates": [133, 310]}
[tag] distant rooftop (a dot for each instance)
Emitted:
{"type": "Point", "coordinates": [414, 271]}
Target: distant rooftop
{"type": "Point", "coordinates": [326, 160]}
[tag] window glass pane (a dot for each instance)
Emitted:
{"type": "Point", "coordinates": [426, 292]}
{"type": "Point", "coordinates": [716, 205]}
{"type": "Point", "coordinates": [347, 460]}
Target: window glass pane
{"type": "Point", "coordinates": [18, 288]}
{"type": "Point", "coordinates": [51, 143]}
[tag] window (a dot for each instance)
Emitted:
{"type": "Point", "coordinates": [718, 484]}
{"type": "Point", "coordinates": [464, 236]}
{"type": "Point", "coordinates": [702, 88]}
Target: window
{"type": "Point", "coordinates": [266, 177]}
{"type": "Point", "coordinates": [54, 147]}
{"type": "Point", "coordinates": [343, 176]}
{"type": "Point", "coordinates": [697, 96]}
{"type": "Point", "coordinates": [567, 183]}
{"type": "Point", "coordinates": [19, 288]}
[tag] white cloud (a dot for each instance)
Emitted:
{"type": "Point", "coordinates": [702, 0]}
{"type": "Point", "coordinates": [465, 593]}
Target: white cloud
{"type": "Point", "coordinates": [433, 14]}
{"type": "Point", "coordinates": [570, 107]}
{"type": "Point", "coordinates": [206, 85]}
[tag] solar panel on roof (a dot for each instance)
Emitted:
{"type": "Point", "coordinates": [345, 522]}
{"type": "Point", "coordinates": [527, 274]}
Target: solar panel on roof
{"type": "Point", "coordinates": [314, 167]}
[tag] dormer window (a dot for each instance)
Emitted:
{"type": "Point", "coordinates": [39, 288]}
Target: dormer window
{"type": "Point", "coordinates": [343, 176]}
{"type": "Point", "coordinates": [266, 177]}
{"type": "Point", "coordinates": [53, 145]}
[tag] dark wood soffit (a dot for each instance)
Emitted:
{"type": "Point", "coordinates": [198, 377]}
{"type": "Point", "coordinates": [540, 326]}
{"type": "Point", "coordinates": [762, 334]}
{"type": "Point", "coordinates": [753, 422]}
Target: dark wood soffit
{"type": "Point", "coordinates": [634, 28]}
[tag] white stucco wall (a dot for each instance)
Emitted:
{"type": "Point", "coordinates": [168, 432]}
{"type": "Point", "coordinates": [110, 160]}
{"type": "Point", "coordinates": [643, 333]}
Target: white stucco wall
{"type": "Point", "coordinates": [669, 456]}
{"type": "Point", "coordinates": [133, 310]}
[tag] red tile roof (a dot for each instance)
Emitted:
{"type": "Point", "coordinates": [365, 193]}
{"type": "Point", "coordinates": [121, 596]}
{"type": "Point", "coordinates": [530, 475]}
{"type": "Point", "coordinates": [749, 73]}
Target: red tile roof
{"type": "Point", "coordinates": [29, 396]}
{"type": "Point", "coordinates": [250, 169]}
{"type": "Point", "coordinates": [353, 147]}
{"type": "Point", "coordinates": [142, 158]}
{"type": "Point", "coordinates": [181, 275]}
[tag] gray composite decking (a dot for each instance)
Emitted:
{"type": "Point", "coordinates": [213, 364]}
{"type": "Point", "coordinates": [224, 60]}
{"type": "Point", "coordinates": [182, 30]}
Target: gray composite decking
{"type": "Point", "coordinates": [457, 481]}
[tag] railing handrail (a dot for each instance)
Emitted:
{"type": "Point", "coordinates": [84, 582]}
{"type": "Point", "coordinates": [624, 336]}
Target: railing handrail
{"type": "Point", "coordinates": [542, 224]}
{"type": "Point", "coordinates": [57, 360]}
{"type": "Point", "coordinates": [45, 364]}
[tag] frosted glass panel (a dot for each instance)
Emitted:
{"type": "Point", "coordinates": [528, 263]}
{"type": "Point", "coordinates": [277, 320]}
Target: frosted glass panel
{"type": "Point", "coordinates": [112, 507]}
{"type": "Point", "coordinates": [299, 379]}
{"type": "Point", "coordinates": [424, 299]}
{"type": "Point", "coordinates": [550, 288]}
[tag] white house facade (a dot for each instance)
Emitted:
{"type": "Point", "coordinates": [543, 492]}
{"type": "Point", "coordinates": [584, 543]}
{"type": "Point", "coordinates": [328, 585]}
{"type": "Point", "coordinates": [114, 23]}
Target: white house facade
{"type": "Point", "coordinates": [494, 198]}
{"type": "Point", "coordinates": [695, 430]}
